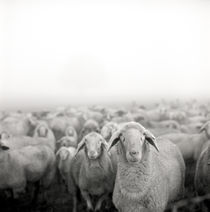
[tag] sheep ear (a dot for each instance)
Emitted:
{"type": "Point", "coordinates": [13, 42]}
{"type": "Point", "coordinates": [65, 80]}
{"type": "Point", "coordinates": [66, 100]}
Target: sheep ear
{"type": "Point", "coordinates": [80, 145]}
{"type": "Point", "coordinates": [62, 154]}
{"type": "Point", "coordinates": [59, 141]}
{"type": "Point", "coordinates": [45, 130]}
{"type": "Point", "coordinates": [203, 127]}
{"type": "Point", "coordinates": [3, 146]}
{"type": "Point", "coordinates": [151, 139]}
{"type": "Point", "coordinates": [114, 140]}
{"type": "Point", "coordinates": [32, 120]}
{"type": "Point", "coordinates": [104, 144]}
{"type": "Point", "coordinates": [4, 135]}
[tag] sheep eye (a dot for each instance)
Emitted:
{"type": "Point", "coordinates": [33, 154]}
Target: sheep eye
{"type": "Point", "coordinates": [142, 139]}
{"type": "Point", "coordinates": [122, 139]}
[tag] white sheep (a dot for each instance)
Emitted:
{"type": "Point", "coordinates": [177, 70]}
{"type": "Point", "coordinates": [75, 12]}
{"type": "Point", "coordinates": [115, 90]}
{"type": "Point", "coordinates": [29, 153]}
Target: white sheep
{"type": "Point", "coordinates": [89, 126]}
{"type": "Point", "coordinates": [66, 141]}
{"type": "Point", "coordinates": [190, 145]}
{"type": "Point", "coordinates": [92, 171]}
{"type": "Point", "coordinates": [169, 124]}
{"type": "Point", "coordinates": [18, 142]}
{"type": "Point", "coordinates": [163, 131]}
{"type": "Point", "coordinates": [58, 124]}
{"type": "Point", "coordinates": [43, 131]}
{"type": "Point", "coordinates": [202, 180]}
{"type": "Point", "coordinates": [147, 178]}
{"type": "Point", "coordinates": [28, 164]}
{"type": "Point", "coordinates": [64, 158]}
{"type": "Point", "coordinates": [108, 129]}
{"type": "Point", "coordinates": [71, 132]}
{"type": "Point", "coordinates": [69, 140]}
{"type": "Point", "coordinates": [17, 125]}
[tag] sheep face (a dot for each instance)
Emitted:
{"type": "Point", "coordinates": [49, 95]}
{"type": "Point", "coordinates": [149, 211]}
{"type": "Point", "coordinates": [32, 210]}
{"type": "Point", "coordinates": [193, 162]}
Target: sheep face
{"type": "Point", "coordinates": [93, 148]}
{"type": "Point", "coordinates": [93, 144]}
{"type": "Point", "coordinates": [134, 143]}
{"type": "Point", "coordinates": [133, 138]}
{"type": "Point", "coordinates": [63, 153]}
{"type": "Point", "coordinates": [4, 135]}
{"type": "Point", "coordinates": [163, 111]}
{"type": "Point", "coordinates": [42, 131]}
{"type": "Point", "coordinates": [172, 125]}
{"type": "Point", "coordinates": [70, 131]}
{"type": "Point", "coordinates": [66, 142]}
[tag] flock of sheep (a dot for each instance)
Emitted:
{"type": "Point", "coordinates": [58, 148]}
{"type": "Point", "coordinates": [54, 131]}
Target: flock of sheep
{"type": "Point", "coordinates": [129, 159]}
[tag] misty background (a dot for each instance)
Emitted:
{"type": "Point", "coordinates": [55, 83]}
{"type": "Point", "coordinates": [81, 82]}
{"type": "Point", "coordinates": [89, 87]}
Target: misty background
{"type": "Point", "coordinates": [86, 52]}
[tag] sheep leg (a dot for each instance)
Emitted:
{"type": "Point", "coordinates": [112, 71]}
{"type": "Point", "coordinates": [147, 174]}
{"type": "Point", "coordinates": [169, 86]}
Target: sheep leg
{"type": "Point", "coordinates": [74, 204]}
{"type": "Point", "coordinates": [88, 200]}
{"type": "Point", "coordinates": [36, 193]}
{"type": "Point", "coordinates": [100, 201]}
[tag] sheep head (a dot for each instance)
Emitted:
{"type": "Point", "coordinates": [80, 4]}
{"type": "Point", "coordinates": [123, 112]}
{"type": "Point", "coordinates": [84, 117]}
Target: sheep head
{"type": "Point", "coordinates": [108, 129]}
{"type": "Point", "coordinates": [66, 142]}
{"type": "Point", "coordinates": [93, 143]}
{"type": "Point", "coordinates": [89, 126]}
{"type": "Point", "coordinates": [133, 138]}
{"type": "Point", "coordinates": [4, 135]}
{"type": "Point", "coordinates": [63, 153]}
{"type": "Point", "coordinates": [70, 131]}
{"type": "Point", "coordinates": [206, 128]}
{"type": "Point", "coordinates": [41, 130]}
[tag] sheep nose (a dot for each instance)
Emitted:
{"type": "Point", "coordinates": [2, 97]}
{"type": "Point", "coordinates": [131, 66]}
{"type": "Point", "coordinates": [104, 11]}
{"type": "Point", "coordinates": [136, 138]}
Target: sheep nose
{"type": "Point", "coordinates": [92, 155]}
{"type": "Point", "coordinates": [133, 153]}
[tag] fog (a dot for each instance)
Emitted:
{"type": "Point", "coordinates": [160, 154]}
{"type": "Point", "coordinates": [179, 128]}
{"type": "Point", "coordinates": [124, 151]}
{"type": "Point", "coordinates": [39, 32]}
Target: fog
{"type": "Point", "coordinates": [69, 52]}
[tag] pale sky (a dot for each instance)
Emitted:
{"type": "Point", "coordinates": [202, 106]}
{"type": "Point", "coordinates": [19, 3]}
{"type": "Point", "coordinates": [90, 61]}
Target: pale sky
{"type": "Point", "coordinates": [64, 51]}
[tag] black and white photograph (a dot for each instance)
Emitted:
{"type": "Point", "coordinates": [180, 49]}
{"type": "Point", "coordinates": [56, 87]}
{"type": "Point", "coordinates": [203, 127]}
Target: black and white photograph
{"type": "Point", "coordinates": [105, 106]}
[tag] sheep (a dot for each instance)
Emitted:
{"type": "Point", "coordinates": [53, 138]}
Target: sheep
{"type": "Point", "coordinates": [71, 132]}
{"type": "Point", "coordinates": [43, 131]}
{"type": "Point", "coordinates": [147, 178]}
{"type": "Point", "coordinates": [18, 142]}
{"type": "Point", "coordinates": [108, 129]}
{"type": "Point", "coordinates": [191, 128]}
{"type": "Point", "coordinates": [89, 126]}
{"type": "Point", "coordinates": [64, 158]}
{"type": "Point", "coordinates": [30, 164]}
{"type": "Point", "coordinates": [4, 135]}
{"type": "Point", "coordinates": [196, 119]}
{"type": "Point", "coordinates": [92, 171]}
{"type": "Point", "coordinates": [58, 124]}
{"type": "Point", "coordinates": [179, 116]}
{"type": "Point", "coordinates": [190, 145]}
{"type": "Point", "coordinates": [171, 124]}
{"type": "Point", "coordinates": [158, 114]}
{"type": "Point", "coordinates": [202, 172]}
{"type": "Point", "coordinates": [17, 125]}
{"type": "Point", "coordinates": [66, 141]}
{"type": "Point", "coordinates": [163, 131]}
{"type": "Point", "coordinates": [94, 115]}
{"type": "Point", "coordinates": [122, 119]}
